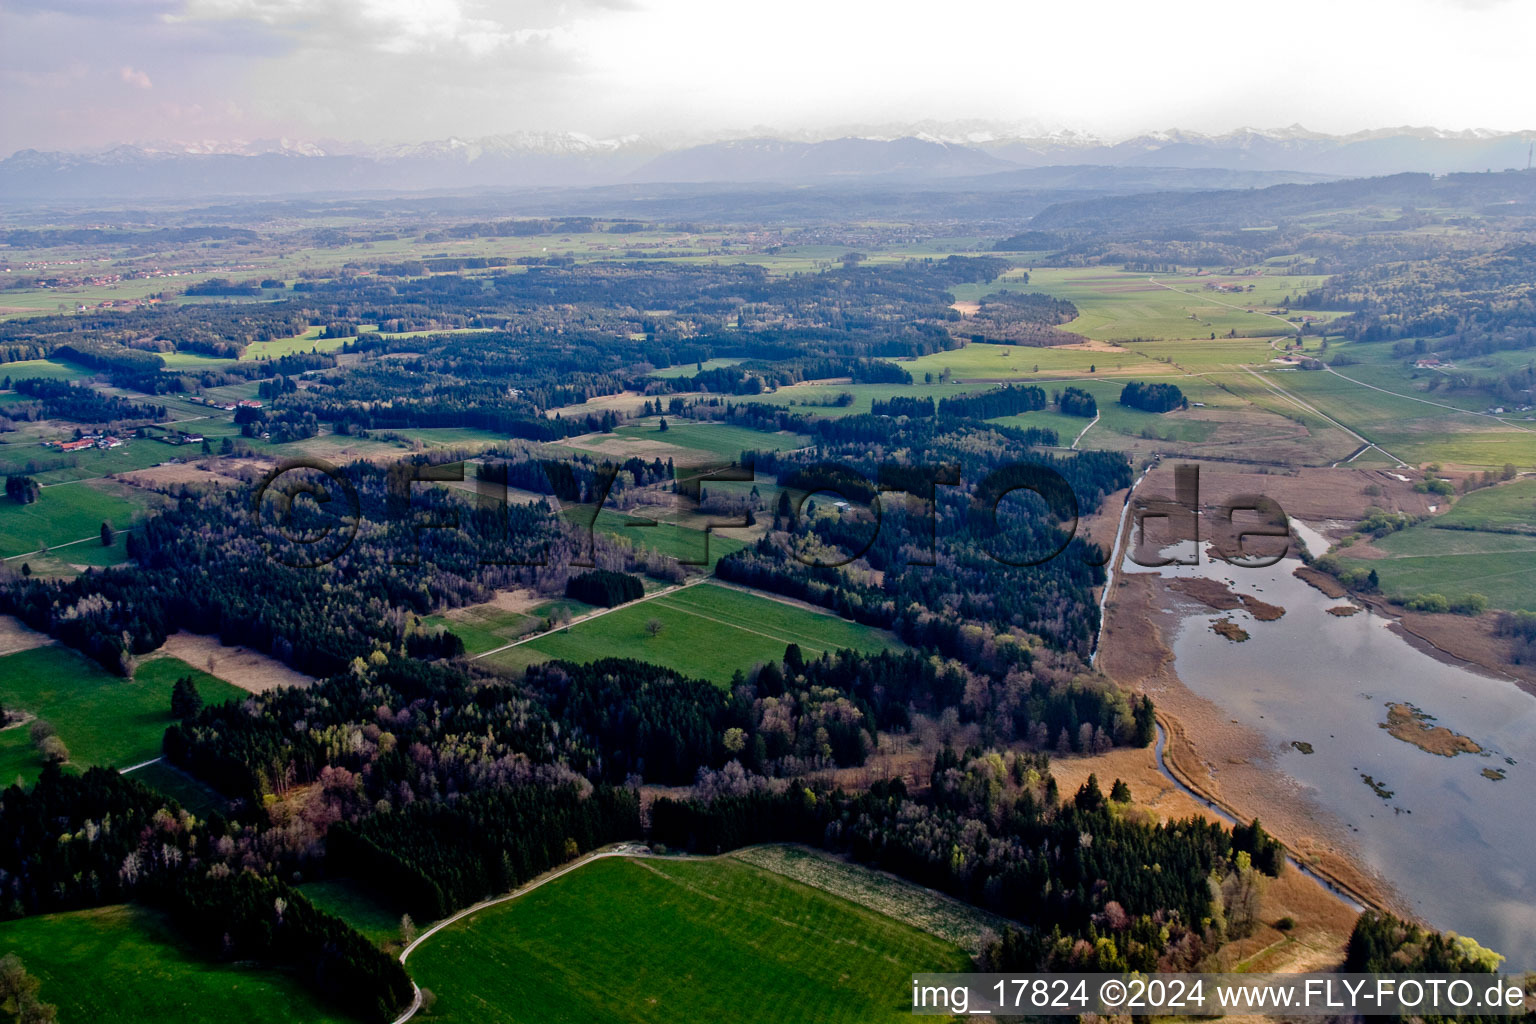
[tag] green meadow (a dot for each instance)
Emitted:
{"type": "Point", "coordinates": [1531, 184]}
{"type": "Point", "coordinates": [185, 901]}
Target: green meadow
{"type": "Point", "coordinates": [1455, 564]}
{"type": "Point", "coordinates": [361, 907]}
{"type": "Point", "coordinates": [484, 627]}
{"type": "Point", "coordinates": [126, 965]}
{"type": "Point", "coordinates": [686, 544]}
{"type": "Point", "coordinates": [722, 441]}
{"type": "Point", "coordinates": [103, 719]}
{"type": "Point", "coordinates": [1117, 305]}
{"type": "Point", "coordinates": [707, 631]}
{"type": "Point", "coordinates": [50, 369]}
{"type": "Point", "coordinates": [689, 369]}
{"type": "Point", "coordinates": [1508, 506]}
{"type": "Point", "coordinates": [652, 941]}
{"type": "Point", "coordinates": [66, 513]}
{"type": "Point", "coordinates": [985, 361]}
{"type": "Point", "coordinates": [815, 400]}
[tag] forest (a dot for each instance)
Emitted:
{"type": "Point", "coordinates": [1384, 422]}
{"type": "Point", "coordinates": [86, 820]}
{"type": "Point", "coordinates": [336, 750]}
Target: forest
{"type": "Point", "coordinates": [995, 832]}
{"type": "Point", "coordinates": [442, 780]}
{"type": "Point", "coordinates": [1156, 397]}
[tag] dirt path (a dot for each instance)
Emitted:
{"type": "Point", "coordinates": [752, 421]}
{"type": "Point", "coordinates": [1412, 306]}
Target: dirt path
{"type": "Point", "coordinates": [622, 850]}
{"type": "Point", "coordinates": [589, 616]}
{"type": "Point", "coordinates": [1085, 430]}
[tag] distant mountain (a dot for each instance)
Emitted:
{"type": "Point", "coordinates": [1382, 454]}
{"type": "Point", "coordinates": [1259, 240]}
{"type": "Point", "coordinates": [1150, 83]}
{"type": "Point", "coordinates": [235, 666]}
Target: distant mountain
{"type": "Point", "coordinates": [288, 168]}
{"type": "Point", "coordinates": [974, 153]}
{"type": "Point", "coordinates": [1362, 154]}
{"type": "Point", "coordinates": [749, 160]}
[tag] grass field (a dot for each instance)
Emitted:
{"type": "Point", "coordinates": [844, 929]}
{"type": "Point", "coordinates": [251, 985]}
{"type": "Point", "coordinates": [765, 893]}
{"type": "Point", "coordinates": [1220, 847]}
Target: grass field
{"type": "Point", "coordinates": [65, 561]}
{"type": "Point", "coordinates": [984, 361]}
{"type": "Point", "coordinates": [1115, 305]}
{"type": "Point", "coordinates": [683, 543]}
{"type": "Point", "coordinates": [708, 631]}
{"type": "Point", "coordinates": [805, 398]}
{"type": "Point", "coordinates": [102, 719]}
{"type": "Point", "coordinates": [1409, 426]}
{"type": "Point", "coordinates": [721, 440]}
{"type": "Point", "coordinates": [125, 965]}
{"type": "Point", "coordinates": [1509, 506]}
{"type": "Point", "coordinates": [689, 369]}
{"type": "Point", "coordinates": [22, 454]}
{"type": "Point", "coordinates": [363, 908]}
{"type": "Point", "coordinates": [665, 941]}
{"type": "Point", "coordinates": [1202, 354]}
{"type": "Point", "coordinates": [1066, 427]}
{"type": "Point", "coordinates": [66, 513]}
{"type": "Point", "coordinates": [484, 627]}
{"type": "Point", "coordinates": [49, 369]}
{"type": "Point", "coordinates": [309, 341]}
{"type": "Point", "coordinates": [1455, 563]}
{"type": "Point", "coordinates": [193, 794]}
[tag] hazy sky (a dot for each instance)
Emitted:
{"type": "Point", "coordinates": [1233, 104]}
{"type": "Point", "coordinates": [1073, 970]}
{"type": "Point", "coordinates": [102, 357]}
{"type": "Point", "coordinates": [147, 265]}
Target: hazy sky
{"type": "Point", "coordinates": [78, 74]}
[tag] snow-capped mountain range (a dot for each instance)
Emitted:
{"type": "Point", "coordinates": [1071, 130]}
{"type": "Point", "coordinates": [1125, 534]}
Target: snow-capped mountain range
{"type": "Point", "coordinates": [925, 151]}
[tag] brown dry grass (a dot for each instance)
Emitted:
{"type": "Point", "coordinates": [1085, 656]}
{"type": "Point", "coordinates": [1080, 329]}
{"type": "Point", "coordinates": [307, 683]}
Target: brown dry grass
{"type": "Point", "coordinates": [1229, 629]}
{"type": "Point", "coordinates": [224, 471]}
{"type": "Point", "coordinates": [1320, 580]}
{"type": "Point", "coordinates": [1411, 725]}
{"type": "Point", "coordinates": [16, 635]}
{"type": "Point", "coordinates": [1463, 640]}
{"type": "Point", "coordinates": [1095, 345]}
{"type": "Point", "coordinates": [635, 447]}
{"type": "Point", "coordinates": [1217, 595]}
{"type": "Point", "coordinates": [250, 670]}
{"type": "Point", "coordinates": [1312, 494]}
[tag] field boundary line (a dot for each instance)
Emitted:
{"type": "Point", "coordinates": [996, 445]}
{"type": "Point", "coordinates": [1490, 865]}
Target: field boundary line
{"type": "Point", "coordinates": [1306, 407]}
{"type": "Point", "coordinates": [1290, 328]}
{"type": "Point", "coordinates": [1425, 401]}
{"type": "Point", "coordinates": [589, 616]}
{"type": "Point", "coordinates": [748, 629]}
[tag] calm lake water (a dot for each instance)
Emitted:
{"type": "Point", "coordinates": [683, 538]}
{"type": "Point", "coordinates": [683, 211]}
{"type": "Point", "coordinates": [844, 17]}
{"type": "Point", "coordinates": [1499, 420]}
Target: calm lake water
{"type": "Point", "coordinates": [1457, 844]}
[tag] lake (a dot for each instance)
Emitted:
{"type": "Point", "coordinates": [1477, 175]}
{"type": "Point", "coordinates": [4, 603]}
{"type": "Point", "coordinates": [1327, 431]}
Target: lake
{"type": "Point", "coordinates": [1456, 843]}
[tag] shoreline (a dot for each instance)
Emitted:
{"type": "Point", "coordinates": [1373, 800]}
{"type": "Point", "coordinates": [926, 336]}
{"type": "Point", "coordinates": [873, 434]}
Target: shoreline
{"type": "Point", "coordinates": [1220, 761]}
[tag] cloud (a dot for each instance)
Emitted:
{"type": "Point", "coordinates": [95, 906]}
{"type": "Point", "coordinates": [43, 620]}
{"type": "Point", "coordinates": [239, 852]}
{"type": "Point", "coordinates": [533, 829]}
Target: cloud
{"type": "Point", "coordinates": [457, 28]}
{"type": "Point", "coordinates": [411, 70]}
{"type": "Point", "coordinates": [103, 10]}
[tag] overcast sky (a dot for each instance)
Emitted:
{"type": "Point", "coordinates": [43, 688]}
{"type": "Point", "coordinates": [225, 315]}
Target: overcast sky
{"type": "Point", "coordinates": [80, 74]}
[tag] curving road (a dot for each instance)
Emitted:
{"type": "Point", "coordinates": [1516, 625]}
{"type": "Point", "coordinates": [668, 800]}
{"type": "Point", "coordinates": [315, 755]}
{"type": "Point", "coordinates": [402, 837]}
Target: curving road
{"type": "Point", "coordinates": [621, 850]}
